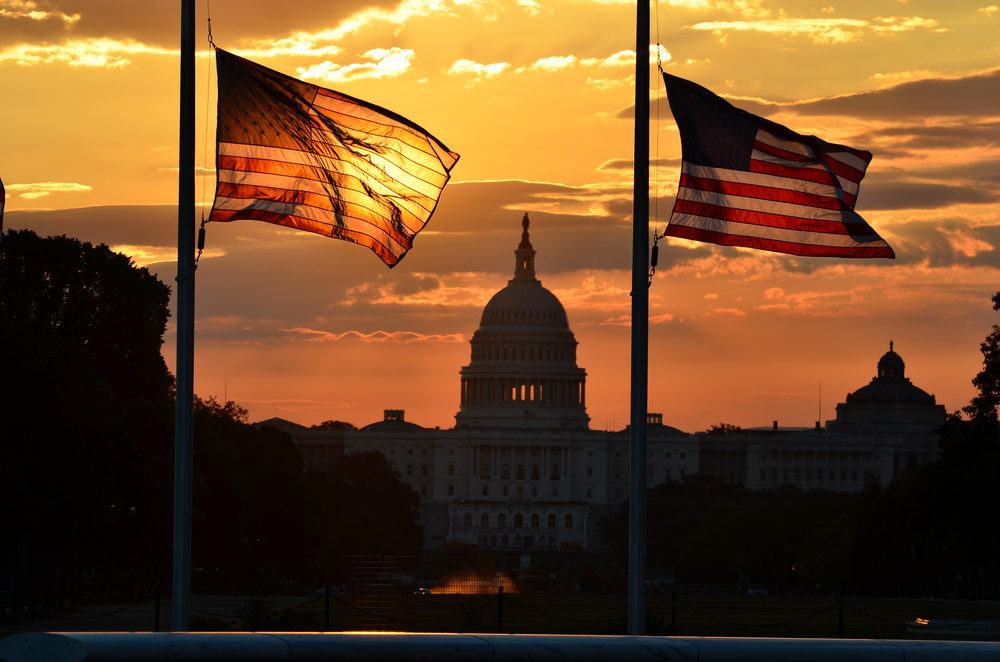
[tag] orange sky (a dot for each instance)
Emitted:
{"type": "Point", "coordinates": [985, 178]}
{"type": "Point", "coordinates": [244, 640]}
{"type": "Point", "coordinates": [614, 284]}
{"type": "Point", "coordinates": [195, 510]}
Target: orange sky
{"type": "Point", "coordinates": [536, 96]}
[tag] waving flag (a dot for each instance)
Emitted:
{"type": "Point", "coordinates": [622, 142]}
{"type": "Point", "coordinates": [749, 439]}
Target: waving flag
{"type": "Point", "coordinates": [747, 181]}
{"type": "Point", "coordinates": [306, 157]}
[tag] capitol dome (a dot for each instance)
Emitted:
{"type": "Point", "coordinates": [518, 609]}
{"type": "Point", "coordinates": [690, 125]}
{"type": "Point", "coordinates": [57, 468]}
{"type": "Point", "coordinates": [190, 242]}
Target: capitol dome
{"type": "Point", "coordinates": [523, 370]}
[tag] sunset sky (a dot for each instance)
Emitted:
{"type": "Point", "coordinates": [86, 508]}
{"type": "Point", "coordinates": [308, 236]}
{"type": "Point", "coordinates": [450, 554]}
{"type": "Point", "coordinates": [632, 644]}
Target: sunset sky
{"type": "Point", "coordinates": [537, 98]}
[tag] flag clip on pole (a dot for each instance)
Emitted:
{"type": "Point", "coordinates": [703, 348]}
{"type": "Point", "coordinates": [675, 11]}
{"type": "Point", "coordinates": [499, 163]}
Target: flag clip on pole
{"type": "Point", "coordinates": [184, 404]}
{"type": "Point", "coordinates": [640, 332]}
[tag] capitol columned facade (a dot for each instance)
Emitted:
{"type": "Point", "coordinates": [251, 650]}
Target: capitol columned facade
{"type": "Point", "coordinates": [522, 470]}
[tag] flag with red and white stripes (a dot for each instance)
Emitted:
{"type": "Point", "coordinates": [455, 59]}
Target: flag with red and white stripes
{"type": "Point", "coordinates": [302, 156]}
{"type": "Point", "coordinates": [748, 181]}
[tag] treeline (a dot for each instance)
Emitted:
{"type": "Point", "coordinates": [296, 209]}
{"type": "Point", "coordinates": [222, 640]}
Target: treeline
{"type": "Point", "coordinates": [931, 532]}
{"type": "Point", "coordinates": [86, 449]}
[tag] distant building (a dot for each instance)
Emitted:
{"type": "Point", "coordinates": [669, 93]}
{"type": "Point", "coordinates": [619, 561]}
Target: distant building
{"type": "Point", "coordinates": [522, 469]}
{"type": "Point", "coordinates": [880, 430]}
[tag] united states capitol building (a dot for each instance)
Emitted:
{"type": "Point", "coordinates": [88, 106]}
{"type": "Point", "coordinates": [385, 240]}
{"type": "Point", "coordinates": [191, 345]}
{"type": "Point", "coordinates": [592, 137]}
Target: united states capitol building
{"type": "Point", "coordinates": [522, 469]}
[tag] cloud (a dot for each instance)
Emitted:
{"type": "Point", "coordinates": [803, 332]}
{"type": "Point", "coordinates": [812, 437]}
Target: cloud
{"type": "Point", "coordinates": [42, 189]}
{"type": "Point", "coordinates": [103, 53]}
{"type": "Point", "coordinates": [386, 63]}
{"type": "Point", "coordinates": [820, 30]}
{"type": "Point", "coordinates": [991, 10]}
{"type": "Point", "coordinates": [973, 95]}
{"type": "Point", "coordinates": [554, 63]}
{"type": "Point", "coordinates": [746, 8]}
{"type": "Point", "coordinates": [594, 291]}
{"type": "Point", "coordinates": [625, 165]}
{"type": "Point", "coordinates": [297, 44]}
{"type": "Point", "coordinates": [421, 290]}
{"type": "Point", "coordinates": [815, 303]}
{"type": "Point", "coordinates": [904, 24]}
{"type": "Point", "coordinates": [879, 194]}
{"type": "Point", "coordinates": [28, 10]}
{"type": "Point", "coordinates": [402, 337]}
{"type": "Point", "coordinates": [478, 71]}
{"type": "Point", "coordinates": [399, 16]}
{"type": "Point", "coordinates": [530, 7]}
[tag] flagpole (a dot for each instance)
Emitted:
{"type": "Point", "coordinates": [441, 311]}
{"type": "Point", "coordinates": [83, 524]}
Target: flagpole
{"type": "Point", "coordinates": [640, 331]}
{"type": "Point", "coordinates": [184, 407]}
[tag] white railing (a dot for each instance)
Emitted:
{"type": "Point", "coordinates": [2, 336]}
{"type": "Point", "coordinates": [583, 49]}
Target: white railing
{"type": "Point", "coordinates": [408, 647]}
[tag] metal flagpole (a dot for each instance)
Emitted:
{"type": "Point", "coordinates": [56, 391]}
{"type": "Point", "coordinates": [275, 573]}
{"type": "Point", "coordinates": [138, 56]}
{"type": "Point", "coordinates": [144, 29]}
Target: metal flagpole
{"type": "Point", "coordinates": [640, 331]}
{"type": "Point", "coordinates": [184, 407]}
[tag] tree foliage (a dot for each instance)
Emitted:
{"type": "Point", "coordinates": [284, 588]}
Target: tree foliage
{"type": "Point", "coordinates": [86, 448]}
{"type": "Point", "coordinates": [983, 408]}
{"type": "Point", "coordinates": [724, 429]}
{"type": "Point", "coordinates": [363, 507]}
{"type": "Point", "coordinates": [333, 425]}
{"type": "Point", "coordinates": [95, 297]}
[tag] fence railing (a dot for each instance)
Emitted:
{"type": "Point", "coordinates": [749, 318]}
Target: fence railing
{"type": "Point", "coordinates": [500, 611]}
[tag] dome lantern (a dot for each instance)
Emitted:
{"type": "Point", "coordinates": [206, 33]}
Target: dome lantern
{"type": "Point", "coordinates": [524, 269]}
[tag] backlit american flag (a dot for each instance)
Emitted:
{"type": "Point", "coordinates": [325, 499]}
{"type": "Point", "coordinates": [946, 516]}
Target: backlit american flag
{"type": "Point", "coordinates": [747, 181]}
{"type": "Point", "coordinates": [306, 157]}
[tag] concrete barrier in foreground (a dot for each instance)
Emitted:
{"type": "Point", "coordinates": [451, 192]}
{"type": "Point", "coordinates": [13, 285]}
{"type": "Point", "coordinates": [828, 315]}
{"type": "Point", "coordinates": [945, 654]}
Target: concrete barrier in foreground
{"type": "Point", "coordinates": [413, 647]}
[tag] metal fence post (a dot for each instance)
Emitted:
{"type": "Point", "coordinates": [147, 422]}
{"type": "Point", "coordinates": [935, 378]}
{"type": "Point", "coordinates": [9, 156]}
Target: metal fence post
{"type": "Point", "coordinates": [157, 595]}
{"type": "Point", "coordinates": [326, 607]}
{"type": "Point", "coordinates": [500, 608]}
{"type": "Point", "coordinates": [673, 611]}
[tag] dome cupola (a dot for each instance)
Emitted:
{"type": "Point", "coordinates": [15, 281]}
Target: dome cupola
{"type": "Point", "coordinates": [891, 365]}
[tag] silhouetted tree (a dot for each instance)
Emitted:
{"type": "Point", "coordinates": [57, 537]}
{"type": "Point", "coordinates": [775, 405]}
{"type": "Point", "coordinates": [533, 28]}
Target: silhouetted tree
{"type": "Point", "coordinates": [249, 507]}
{"type": "Point", "coordinates": [333, 425]}
{"type": "Point", "coordinates": [86, 448]}
{"type": "Point", "coordinates": [709, 533]}
{"type": "Point", "coordinates": [93, 296]}
{"type": "Point", "coordinates": [724, 428]}
{"type": "Point", "coordinates": [362, 506]}
{"type": "Point", "coordinates": [82, 454]}
{"type": "Point", "coordinates": [983, 407]}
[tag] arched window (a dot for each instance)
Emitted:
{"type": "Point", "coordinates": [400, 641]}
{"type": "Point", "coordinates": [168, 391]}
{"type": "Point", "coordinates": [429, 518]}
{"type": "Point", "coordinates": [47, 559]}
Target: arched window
{"type": "Point", "coordinates": [518, 521]}
{"type": "Point", "coordinates": [501, 521]}
{"type": "Point", "coordinates": [552, 521]}
{"type": "Point", "coordinates": [569, 521]}
{"type": "Point", "coordinates": [484, 521]}
{"type": "Point", "coordinates": [534, 520]}
{"type": "Point", "coordinates": [467, 520]}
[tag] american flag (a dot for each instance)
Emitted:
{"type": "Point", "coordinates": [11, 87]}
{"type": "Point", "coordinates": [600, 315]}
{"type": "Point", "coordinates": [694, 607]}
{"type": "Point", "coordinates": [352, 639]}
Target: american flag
{"type": "Point", "coordinates": [302, 156]}
{"type": "Point", "coordinates": [747, 181]}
